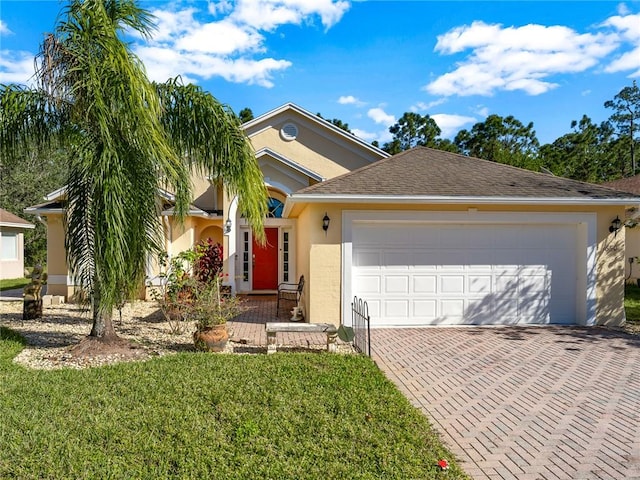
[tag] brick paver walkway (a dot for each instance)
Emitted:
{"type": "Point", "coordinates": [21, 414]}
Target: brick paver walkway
{"type": "Point", "coordinates": [524, 403]}
{"type": "Point", "coordinates": [249, 327]}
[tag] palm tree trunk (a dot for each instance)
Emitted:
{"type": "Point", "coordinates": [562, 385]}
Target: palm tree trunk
{"type": "Point", "coordinates": [102, 328]}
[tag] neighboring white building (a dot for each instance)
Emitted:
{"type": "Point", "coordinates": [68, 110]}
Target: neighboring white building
{"type": "Point", "coordinates": [12, 245]}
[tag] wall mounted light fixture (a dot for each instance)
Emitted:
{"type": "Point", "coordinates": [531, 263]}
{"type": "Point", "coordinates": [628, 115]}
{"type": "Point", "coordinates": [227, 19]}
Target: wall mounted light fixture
{"type": "Point", "coordinates": [615, 225]}
{"type": "Point", "coordinates": [325, 222]}
{"type": "Point", "coordinates": [227, 226]}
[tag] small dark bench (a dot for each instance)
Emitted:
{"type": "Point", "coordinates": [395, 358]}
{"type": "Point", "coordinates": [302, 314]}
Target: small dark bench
{"type": "Point", "coordinates": [273, 328]}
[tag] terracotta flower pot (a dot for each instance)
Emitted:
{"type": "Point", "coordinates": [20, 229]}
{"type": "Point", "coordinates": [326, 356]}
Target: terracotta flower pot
{"type": "Point", "coordinates": [213, 339]}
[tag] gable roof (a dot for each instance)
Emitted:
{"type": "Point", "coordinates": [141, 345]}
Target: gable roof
{"type": "Point", "coordinates": [289, 163]}
{"type": "Point", "coordinates": [55, 203]}
{"type": "Point", "coordinates": [629, 184]}
{"type": "Point", "coordinates": [321, 122]}
{"type": "Point", "coordinates": [425, 175]}
{"type": "Point", "coordinates": [8, 219]}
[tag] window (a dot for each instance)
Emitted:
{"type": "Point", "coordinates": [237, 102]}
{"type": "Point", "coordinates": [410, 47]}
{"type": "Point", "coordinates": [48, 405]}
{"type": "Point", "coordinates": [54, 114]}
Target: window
{"type": "Point", "coordinates": [285, 255]}
{"type": "Point", "coordinates": [289, 132]}
{"type": "Point", "coordinates": [9, 246]}
{"type": "Point", "coordinates": [275, 208]}
{"type": "Point", "coordinates": [245, 256]}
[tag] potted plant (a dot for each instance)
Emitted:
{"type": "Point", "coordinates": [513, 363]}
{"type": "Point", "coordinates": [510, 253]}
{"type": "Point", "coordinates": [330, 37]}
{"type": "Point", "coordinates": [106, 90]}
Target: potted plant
{"type": "Point", "coordinates": [210, 308]}
{"type": "Point", "coordinates": [192, 291]}
{"type": "Point", "coordinates": [210, 311]}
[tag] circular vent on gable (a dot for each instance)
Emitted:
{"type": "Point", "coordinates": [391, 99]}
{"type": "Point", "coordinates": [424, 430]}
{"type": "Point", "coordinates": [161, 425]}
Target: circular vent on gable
{"type": "Point", "coordinates": [289, 131]}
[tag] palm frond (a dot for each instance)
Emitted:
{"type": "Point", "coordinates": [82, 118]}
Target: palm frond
{"type": "Point", "coordinates": [208, 135]}
{"type": "Point", "coordinates": [125, 137]}
{"type": "Point", "coordinates": [28, 120]}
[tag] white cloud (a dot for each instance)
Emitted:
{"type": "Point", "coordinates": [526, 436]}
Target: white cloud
{"type": "Point", "coordinates": [350, 100]}
{"type": "Point", "coordinates": [228, 39]}
{"type": "Point", "coordinates": [171, 25]}
{"type": "Point", "coordinates": [515, 58]}
{"type": "Point", "coordinates": [4, 29]}
{"type": "Point", "coordinates": [623, 9]}
{"type": "Point", "coordinates": [269, 14]}
{"type": "Point", "coordinates": [220, 38]}
{"type": "Point", "coordinates": [163, 63]}
{"type": "Point", "coordinates": [364, 135]}
{"type": "Point", "coordinates": [627, 61]}
{"type": "Point", "coordinates": [220, 7]}
{"type": "Point", "coordinates": [382, 136]}
{"type": "Point", "coordinates": [378, 115]}
{"type": "Point", "coordinates": [16, 67]}
{"type": "Point", "coordinates": [481, 111]}
{"type": "Point", "coordinates": [627, 28]}
{"type": "Point", "coordinates": [423, 107]}
{"type": "Point", "coordinates": [451, 124]}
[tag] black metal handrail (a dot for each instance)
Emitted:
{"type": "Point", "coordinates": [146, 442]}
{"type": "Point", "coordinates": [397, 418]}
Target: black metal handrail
{"type": "Point", "coordinates": [361, 325]}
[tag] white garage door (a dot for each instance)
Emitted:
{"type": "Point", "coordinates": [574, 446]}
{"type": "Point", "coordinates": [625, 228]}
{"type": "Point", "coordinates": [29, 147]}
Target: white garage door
{"type": "Point", "coordinates": [413, 275]}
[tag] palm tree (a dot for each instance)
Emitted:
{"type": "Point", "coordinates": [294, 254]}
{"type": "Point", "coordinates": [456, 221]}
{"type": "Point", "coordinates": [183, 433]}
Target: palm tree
{"type": "Point", "coordinates": [125, 138]}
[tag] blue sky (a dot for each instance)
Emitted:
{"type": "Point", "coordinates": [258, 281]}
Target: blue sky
{"type": "Point", "coordinates": [368, 62]}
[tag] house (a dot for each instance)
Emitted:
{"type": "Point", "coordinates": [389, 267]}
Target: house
{"type": "Point", "coordinates": [425, 237]}
{"type": "Point", "coordinates": [295, 149]}
{"type": "Point", "coordinates": [632, 228]}
{"type": "Point", "coordinates": [12, 230]}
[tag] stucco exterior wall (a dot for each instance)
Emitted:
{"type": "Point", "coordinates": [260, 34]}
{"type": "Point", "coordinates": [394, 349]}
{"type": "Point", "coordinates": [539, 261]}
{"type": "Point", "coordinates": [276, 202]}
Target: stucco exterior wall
{"type": "Point", "coordinates": [303, 250]}
{"type": "Point", "coordinates": [182, 237]}
{"type": "Point", "coordinates": [324, 255]}
{"type": "Point", "coordinates": [610, 267]}
{"type": "Point", "coordinates": [315, 148]}
{"type": "Point", "coordinates": [632, 250]}
{"type": "Point", "coordinates": [282, 177]}
{"type": "Point", "coordinates": [206, 195]}
{"type": "Point", "coordinates": [319, 260]}
{"type": "Point", "coordinates": [14, 267]}
{"type": "Point", "coordinates": [57, 269]}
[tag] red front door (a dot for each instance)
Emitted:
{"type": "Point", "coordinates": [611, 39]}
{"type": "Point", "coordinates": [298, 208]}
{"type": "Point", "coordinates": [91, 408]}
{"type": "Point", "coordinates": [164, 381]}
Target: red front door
{"type": "Point", "coordinates": [265, 262]}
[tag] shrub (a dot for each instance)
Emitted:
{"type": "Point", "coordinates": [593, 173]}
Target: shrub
{"type": "Point", "coordinates": [190, 289]}
{"type": "Point", "coordinates": [208, 263]}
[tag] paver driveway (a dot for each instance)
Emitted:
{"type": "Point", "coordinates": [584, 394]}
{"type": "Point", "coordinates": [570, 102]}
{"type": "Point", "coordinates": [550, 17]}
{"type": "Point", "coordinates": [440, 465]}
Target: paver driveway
{"type": "Point", "coordinates": [524, 402]}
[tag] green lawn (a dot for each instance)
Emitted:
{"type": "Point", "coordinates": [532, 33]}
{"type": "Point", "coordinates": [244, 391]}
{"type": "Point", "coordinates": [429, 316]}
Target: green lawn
{"type": "Point", "coordinates": [11, 283]}
{"type": "Point", "coordinates": [632, 304]}
{"type": "Point", "coordinates": [297, 416]}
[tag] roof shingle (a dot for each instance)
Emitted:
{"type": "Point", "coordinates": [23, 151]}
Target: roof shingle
{"type": "Point", "coordinates": [426, 172]}
{"type": "Point", "coordinates": [8, 218]}
{"type": "Point", "coordinates": [629, 184]}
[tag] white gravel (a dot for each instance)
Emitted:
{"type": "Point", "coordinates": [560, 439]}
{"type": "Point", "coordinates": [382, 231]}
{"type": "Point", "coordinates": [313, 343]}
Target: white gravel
{"type": "Point", "coordinates": [49, 339]}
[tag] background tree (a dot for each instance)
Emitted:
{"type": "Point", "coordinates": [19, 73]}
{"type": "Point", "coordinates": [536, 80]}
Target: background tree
{"type": "Point", "coordinates": [125, 138]}
{"type": "Point", "coordinates": [446, 145]}
{"type": "Point", "coordinates": [26, 179]}
{"type": "Point", "coordinates": [412, 130]}
{"type": "Point", "coordinates": [337, 122]}
{"type": "Point", "coordinates": [503, 140]}
{"type": "Point", "coordinates": [626, 116]}
{"type": "Point", "coordinates": [245, 115]}
{"type": "Point", "coordinates": [587, 153]}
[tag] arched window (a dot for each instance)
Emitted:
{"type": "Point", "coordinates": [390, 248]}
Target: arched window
{"type": "Point", "coordinates": [275, 207]}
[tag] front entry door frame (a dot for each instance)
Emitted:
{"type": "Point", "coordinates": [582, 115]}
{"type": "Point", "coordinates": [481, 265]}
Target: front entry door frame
{"type": "Point", "coordinates": [244, 275]}
{"type": "Point", "coordinates": [265, 261]}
